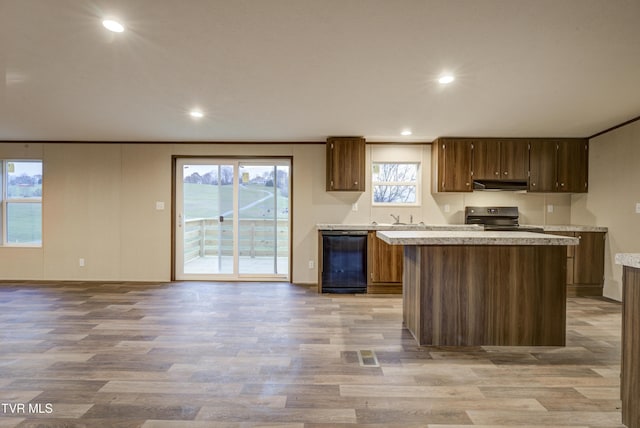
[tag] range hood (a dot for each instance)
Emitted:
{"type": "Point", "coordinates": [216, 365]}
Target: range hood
{"type": "Point", "coordinates": [497, 185]}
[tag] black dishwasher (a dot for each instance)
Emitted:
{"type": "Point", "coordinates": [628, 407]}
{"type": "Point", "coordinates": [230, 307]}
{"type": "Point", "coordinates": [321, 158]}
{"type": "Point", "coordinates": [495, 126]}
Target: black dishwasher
{"type": "Point", "coordinates": [344, 261]}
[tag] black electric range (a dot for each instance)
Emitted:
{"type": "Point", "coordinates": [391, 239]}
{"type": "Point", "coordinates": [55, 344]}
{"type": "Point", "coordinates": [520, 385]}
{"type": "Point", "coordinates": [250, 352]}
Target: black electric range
{"type": "Point", "coordinates": [497, 219]}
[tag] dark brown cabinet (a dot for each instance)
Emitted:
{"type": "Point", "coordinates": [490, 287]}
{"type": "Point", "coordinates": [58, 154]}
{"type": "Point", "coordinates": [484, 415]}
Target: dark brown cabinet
{"type": "Point", "coordinates": [559, 165]}
{"type": "Point", "coordinates": [346, 164]}
{"type": "Point", "coordinates": [500, 160]}
{"type": "Point", "coordinates": [547, 165]}
{"type": "Point", "coordinates": [542, 166]}
{"type": "Point", "coordinates": [385, 265]}
{"type": "Point", "coordinates": [630, 367]}
{"type": "Point", "coordinates": [453, 162]}
{"type": "Point", "coordinates": [588, 261]}
{"type": "Point", "coordinates": [585, 263]}
{"type": "Point", "coordinates": [572, 169]}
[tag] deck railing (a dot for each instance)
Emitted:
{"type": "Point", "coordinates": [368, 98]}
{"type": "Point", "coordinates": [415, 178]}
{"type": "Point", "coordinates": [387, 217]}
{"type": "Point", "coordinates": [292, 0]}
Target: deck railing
{"type": "Point", "coordinates": [205, 237]}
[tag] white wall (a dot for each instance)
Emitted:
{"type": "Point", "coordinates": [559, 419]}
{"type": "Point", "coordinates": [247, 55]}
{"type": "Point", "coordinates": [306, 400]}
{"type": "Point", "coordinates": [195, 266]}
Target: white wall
{"type": "Point", "coordinates": [614, 175]}
{"type": "Point", "coordinates": [99, 204]}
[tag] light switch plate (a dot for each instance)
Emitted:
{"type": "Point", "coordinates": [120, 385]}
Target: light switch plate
{"type": "Point", "coordinates": [354, 206]}
{"type": "Point", "coordinates": [549, 208]}
{"type": "Point", "coordinates": [159, 205]}
{"type": "Point", "coordinates": [638, 208]}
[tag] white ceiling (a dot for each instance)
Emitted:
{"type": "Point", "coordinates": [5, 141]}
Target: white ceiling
{"type": "Point", "coordinates": [302, 70]}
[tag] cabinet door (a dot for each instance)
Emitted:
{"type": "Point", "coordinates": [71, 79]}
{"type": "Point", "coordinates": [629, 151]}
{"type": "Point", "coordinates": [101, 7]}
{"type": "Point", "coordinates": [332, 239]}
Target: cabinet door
{"type": "Point", "coordinates": [454, 169]}
{"type": "Point", "coordinates": [514, 160]}
{"type": "Point", "coordinates": [588, 265]}
{"type": "Point", "coordinates": [572, 166]}
{"type": "Point", "coordinates": [346, 164]}
{"type": "Point", "coordinates": [385, 261]}
{"type": "Point", "coordinates": [542, 166]}
{"type": "Point", "coordinates": [486, 160]}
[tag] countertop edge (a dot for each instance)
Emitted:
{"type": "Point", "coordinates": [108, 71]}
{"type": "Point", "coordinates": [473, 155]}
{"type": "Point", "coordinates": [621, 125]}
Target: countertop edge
{"type": "Point", "coordinates": [415, 226]}
{"type": "Point", "coordinates": [628, 259]}
{"type": "Point", "coordinates": [472, 238]}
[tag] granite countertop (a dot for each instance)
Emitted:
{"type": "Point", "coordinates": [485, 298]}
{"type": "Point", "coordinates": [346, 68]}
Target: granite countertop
{"type": "Point", "coordinates": [453, 227]}
{"type": "Point", "coordinates": [405, 227]}
{"type": "Point", "coordinates": [628, 259]}
{"type": "Point", "coordinates": [568, 228]}
{"type": "Point", "coordinates": [440, 237]}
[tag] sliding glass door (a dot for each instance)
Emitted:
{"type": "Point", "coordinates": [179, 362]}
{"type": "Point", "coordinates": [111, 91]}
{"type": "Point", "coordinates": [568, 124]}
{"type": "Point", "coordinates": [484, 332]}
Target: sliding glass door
{"type": "Point", "coordinates": [232, 219]}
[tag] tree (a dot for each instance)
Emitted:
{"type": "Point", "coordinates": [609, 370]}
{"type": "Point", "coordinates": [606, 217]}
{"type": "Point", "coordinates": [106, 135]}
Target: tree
{"type": "Point", "coordinates": [400, 178]}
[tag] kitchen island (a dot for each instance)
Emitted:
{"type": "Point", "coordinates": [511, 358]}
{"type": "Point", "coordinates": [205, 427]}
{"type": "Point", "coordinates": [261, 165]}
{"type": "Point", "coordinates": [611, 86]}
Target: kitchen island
{"type": "Point", "coordinates": [474, 288]}
{"type": "Point", "coordinates": [630, 376]}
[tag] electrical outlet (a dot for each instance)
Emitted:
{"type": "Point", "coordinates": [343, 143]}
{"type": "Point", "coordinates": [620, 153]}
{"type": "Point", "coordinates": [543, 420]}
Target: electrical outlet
{"type": "Point", "coordinates": [311, 264]}
{"type": "Point", "coordinates": [549, 208]}
{"type": "Point", "coordinates": [638, 208]}
{"type": "Point", "coordinates": [354, 206]}
{"type": "Point", "coordinates": [447, 208]}
{"type": "Point", "coordinates": [81, 262]}
{"type": "Point", "coordinates": [159, 205]}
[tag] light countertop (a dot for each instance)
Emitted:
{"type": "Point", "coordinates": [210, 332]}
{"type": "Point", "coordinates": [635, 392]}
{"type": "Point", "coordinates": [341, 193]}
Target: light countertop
{"type": "Point", "coordinates": [451, 227]}
{"type": "Point", "coordinates": [389, 226]}
{"type": "Point", "coordinates": [441, 237]}
{"type": "Point", "coordinates": [568, 228]}
{"type": "Point", "coordinates": [628, 259]}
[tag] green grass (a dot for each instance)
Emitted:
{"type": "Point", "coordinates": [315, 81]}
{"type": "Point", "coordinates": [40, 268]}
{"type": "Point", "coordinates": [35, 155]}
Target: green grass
{"type": "Point", "coordinates": [24, 223]}
{"type": "Point", "coordinates": [34, 191]}
{"type": "Point", "coordinates": [201, 201]}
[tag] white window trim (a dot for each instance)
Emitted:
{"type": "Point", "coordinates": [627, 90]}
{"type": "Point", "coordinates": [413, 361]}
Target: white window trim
{"type": "Point", "coordinates": [417, 184]}
{"type": "Point", "coordinates": [5, 201]}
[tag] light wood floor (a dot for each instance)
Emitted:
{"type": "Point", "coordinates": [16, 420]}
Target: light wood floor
{"type": "Point", "coordinates": [272, 354]}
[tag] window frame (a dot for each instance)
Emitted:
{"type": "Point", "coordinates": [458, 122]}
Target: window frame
{"type": "Point", "coordinates": [5, 200]}
{"type": "Point", "coordinates": [417, 184]}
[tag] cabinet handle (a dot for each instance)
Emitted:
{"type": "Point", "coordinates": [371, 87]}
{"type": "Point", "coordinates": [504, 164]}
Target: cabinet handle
{"type": "Point", "coordinates": [467, 184]}
{"type": "Point", "coordinates": [355, 183]}
{"type": "Point", "coordinates": [561, 184]}
{"type": "Point", "coordinates": [533, 184]}
{"type": "Point", "coordinates": [497, 173]}
{"type": "Point", "coordinates": [506, 173]}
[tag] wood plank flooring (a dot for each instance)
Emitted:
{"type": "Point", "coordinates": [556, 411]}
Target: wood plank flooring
{"type": "Point", "coordinates": [190, 354]}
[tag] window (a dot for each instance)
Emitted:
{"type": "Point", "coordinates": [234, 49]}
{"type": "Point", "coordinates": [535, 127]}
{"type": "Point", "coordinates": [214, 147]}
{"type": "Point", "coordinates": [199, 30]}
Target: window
{"type": "Point", "coordinates": [396, 183]}
{"type": "Point", "coordinates": [21, 200]}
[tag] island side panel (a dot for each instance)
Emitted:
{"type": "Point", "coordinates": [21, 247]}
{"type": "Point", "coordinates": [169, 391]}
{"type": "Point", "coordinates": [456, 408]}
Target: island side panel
{"type": "Point", "coordinates": [412, 299]}
{"type": "Point", "coordinates": [455, 305]}
{"type": "Point", "coordinates": [630, 379]}
{"type": "Point", "coordinates": [486, 295]}
{"type": "Point", "coordinates": [527, 303]}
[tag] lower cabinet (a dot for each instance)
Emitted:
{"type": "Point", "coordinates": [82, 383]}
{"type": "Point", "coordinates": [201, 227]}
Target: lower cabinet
{"type": "Point", "coordinates": [384, 266]}
{"type": "Point", "coordinates": [585, 263]}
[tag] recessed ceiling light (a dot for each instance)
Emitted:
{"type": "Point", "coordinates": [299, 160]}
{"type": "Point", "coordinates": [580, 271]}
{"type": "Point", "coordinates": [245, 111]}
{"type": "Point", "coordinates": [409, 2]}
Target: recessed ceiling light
{"type": "Point", "coordinates": [446, 79]}
{"type": "Point", "coordinates": [112, 25]}
{"type": "Point", "coordinates": [406, 133]}
{"type": "Point", "coordinates": [196, 114]}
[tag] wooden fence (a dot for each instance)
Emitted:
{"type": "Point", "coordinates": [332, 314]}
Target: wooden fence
{"type": "Point", "coordinates": [209, 237]}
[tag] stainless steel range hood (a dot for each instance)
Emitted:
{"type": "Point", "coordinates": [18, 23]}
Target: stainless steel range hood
{"type": "Point", "coordinates": [498, 185]}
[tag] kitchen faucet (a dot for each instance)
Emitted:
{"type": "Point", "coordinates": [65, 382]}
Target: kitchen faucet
{"type": "Point", "coordinates": [396, 218]}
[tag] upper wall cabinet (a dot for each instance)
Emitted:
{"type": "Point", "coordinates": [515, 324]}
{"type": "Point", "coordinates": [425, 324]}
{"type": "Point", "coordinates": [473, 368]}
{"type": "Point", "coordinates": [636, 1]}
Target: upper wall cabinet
{"type": "Point", "coordinates": [547, 165]}
{"type": "Point", "coordinates": [573, 165]}
{"type": "Point", "coordinates": [346, 164]}
{"type": "Point", "coordinates": [559, 165]}
{"type": "Point", "coordinates": [542, 166]}
{"type": "Point", "coordinates": [451, 165]}
{"type": "Point", "coordinates": [495, 159]}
